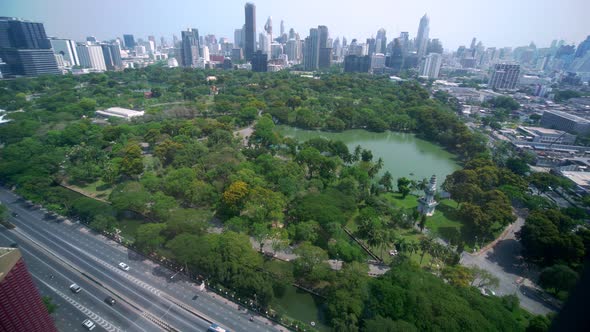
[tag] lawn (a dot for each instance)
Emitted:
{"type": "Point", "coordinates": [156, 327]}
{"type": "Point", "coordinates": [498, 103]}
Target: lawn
{"type": "Point", "coordinates": [97, 189]}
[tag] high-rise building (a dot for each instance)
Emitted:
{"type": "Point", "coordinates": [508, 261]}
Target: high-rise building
{"type": "Point", "coordinates": [91, 39]}
{"type": "Point", "coordinates": [25, 49]}
{"type": "Point", "coordinates": [583, 48]}
{"type": "Point", "coordinates": [434, 46]}
{"type": "Point", "coordinates": [67, 49]}
{"type": "Point", "coordinates": [21, 307]}
{"type": "Point", "coordinates": [504, 76]}
{"type": "Point", "coordinates": [282, 27]}
{"type": "Point", "coordinates": [153, 40]}
{"type": "Point", "coordinates": [238, 41]}
{"type": "Point", "coordinates": [422, 36]}
{"type": "Point", "coordinates": [129, 41]}
{"type": "Point", "coordinates": [371, 46]}
{"type": "Point", "coordinates": [431, 66]}
{"type": "Point", "coordinates": [112, 56]}
{"type": "Point", "coordinates": [264, 43]}
{"type": "Point", "coordinates": [357, 64]}
{"type": "Point", "coordinates": [91, 56]}
{"type": "Point", "coordinates": [250, 30]}
{"type": "Point", "coordinates": [381, 41]}
{"type": "Point", "coordinates": [311, 50]}
{"type": "Point", "coordinates": [325, 50]}
{"type": "Point", "coordinates": [189, 48]}
{"type": "Point", "coordinates": [292, 50]}
{"type": "Point", "coordinates": [259, 62]}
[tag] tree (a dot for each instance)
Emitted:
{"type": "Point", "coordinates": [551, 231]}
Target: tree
{"type": "Point", "coordinates": [422, 223]}
{"type": "Point", "coordinates": [132, 163]}
{"type": "Point", "coordinates": [149, 236]}
{"type": "Point", "coordinates": [233, 197]}
{"type": "Point", "coordinates": [426, 245]}
{"type": "Point", "coordinates": [457, 275]}
{"type": "Point", "coordinates": [387, 181]}
{"type": "Point", "coordinates": [311, 264]}
{"type": "Point", "coordinates": [49, 305]}
{"type": "Point", "coordinates": [558, 278]}
{"type": "Point", "coordinates": [388, 325]}
{"type": "Point", "coordinates": [482, 278]}
{"type": "Point", "coordinates": [403, 186]}
{"type": "Point", "coordinates": [106, 223]}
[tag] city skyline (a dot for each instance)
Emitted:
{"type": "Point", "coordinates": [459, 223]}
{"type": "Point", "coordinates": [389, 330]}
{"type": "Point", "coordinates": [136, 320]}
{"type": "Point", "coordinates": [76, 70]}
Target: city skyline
{"type": "Point", "coordinates": [449, 22]}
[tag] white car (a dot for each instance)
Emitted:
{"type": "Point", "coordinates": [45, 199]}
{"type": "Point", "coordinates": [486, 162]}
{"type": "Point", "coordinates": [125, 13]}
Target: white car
{"type": "Point", "coordinates": [75, 288]}
{"type": "Point", "coordinates": [88, 324]}
{"type": "Point", "coordinates": [124, 266]}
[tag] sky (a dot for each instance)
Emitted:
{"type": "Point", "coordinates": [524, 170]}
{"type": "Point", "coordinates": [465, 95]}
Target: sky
{"type": "Point", "coordinates": [495, 22]}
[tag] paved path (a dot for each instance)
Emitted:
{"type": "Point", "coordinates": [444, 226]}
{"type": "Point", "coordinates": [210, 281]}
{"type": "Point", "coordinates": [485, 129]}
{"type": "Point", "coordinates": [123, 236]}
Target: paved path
{"type": "Point", "coordinates": [503, 260]}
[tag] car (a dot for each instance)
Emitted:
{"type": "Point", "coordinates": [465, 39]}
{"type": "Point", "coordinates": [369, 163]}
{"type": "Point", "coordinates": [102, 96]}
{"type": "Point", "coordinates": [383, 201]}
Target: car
{"type": "Point", "coordinates": [88, 324]}
{"type": "Point", "coordinates": [14, 245]}
{"type": "Point", "coordinates": [14, 214]}
{"type": "Point", "coordinates": [75, 288]}
{"type": "Point", "coordinates": [124, 266]}
{"type": "Point", "coordinates": [110, 301]}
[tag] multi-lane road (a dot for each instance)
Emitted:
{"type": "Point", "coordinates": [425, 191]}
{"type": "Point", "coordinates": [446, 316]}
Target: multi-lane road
{"type": "Point", "coordinates": [148, 299]}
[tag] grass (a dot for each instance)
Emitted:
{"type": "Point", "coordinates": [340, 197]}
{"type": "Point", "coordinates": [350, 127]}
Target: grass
{"type": "Point", "coordinates": [97, 189]}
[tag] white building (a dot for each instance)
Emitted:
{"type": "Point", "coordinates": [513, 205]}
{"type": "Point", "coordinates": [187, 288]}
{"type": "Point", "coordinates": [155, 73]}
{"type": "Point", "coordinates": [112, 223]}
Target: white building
{"type": "Point", "coordinates": [206, 55]}
{"type": "Point", "coordinates": [119, 112]}
{"type": "Point", "coordinates": [67, 49]}
{"type": "Point", "coordinates": [378, 61]}
{"type": "Point", "coordinates": [91, 57]}
{"type": "Point", "coordinates": [264, 43]}
{"type": "Point", "coordinates": [431, 66]}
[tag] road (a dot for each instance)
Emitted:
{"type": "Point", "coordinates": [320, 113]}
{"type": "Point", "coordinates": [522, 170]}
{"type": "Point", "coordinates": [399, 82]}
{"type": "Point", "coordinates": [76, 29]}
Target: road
{"type": "Point", "coordinates": [504, 261]}
{"type": "Point", "coordinates": [147, 287]}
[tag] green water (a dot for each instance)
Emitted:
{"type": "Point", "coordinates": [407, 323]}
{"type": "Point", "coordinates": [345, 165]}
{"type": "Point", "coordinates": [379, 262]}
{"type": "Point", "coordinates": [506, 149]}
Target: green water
{"type": "Point", "coordinates": [403, 154]}
{"type": "Point", "coordinates": [302, 306]}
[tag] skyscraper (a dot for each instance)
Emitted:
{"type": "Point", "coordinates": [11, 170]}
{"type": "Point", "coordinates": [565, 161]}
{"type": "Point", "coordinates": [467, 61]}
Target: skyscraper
{"type": "Point", "coordinates": [21, 308]}
{"type": "Point", "coordinates": [325, 50]}
{"type": "Point", "coordinates": [282, 27]}
{"type": "Point", "coordinates": [504, 76]}
{"type": "Point", "coordinates": [250, 30]}
{"type": "Point", "coordinates": [129, 41]}
{"type": "Point", "coordinates": [112, 56]}
{"type": "Point", "coordinates": [431, 66]}
{"type": "Point", "coordinates": [311, 50]}
{"type": "Point", "coordinates": [25, 49]}
{"type": "Point", "coordinates": [381, 41]}
{"type": "Point", "coordinates": [357, 64]}
{"type": "Point", "coordinates": [238, 41]}
{"type": "Point", "coordinates": [422, 37]}
{"type": "Point", "coordinates": [189, 48]}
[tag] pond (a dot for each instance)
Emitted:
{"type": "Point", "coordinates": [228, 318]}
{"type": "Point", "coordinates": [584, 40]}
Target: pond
{"type": "Point", "coordinates": [302, 306]}
{"type": "Point", "coordinates": [403, 154]}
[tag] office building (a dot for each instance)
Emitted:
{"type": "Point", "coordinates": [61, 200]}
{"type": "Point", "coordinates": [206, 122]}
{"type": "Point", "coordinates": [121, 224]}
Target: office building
{"type": "Point", "coordinates": [67, 49]}
{"type": "Point", "coordinates": [21, 307]}
{"type": "Point", "coordinates": [371, 46]}
{"type": "Point", "coordinates": [25, 49]}
{"type": "Point", "coordinates": [237, 55]}
{"type": "Point", "coordinates": [259, 62]}
{"type": "Point", "coordinates": [250, 30]}
{"type": "Point", "coordinates": [91, 57]}
{"type": "Point", "coordinates": [264, 43]}
{"type": "Point", "coordinates": [357, 64]}
{"type": "Point", "coordinates": [112, 56]}
{"type": "Point", "coordinates": [189, 48]}
{"type": "Point", "coordinates": [291, 49]}
{"type": "Point", "coordinates": [504, 76]}
{"type": "Point", "coordinates": [565, 121]}
{"type": "Point", "coordinates": [431, 66]}
{"type": "Point", "coordinates": [311, 50]}
{"type": "Point", "coordinates": [129, 41]}
{"type": "Point", "coordinates": [422, 36]}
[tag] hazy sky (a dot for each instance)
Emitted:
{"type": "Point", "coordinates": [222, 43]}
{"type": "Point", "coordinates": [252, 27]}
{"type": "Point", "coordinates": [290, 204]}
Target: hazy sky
{"type": "Point", "coordinates": [455, 22]}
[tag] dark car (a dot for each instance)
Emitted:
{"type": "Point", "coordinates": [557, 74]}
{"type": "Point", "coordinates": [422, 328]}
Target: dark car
{"type": "Point", "coordinates": [14, 214]}
{"type": "Point", "coordinates": [110, 301]}
{"type": "Point", "coordinates": [14, 245]}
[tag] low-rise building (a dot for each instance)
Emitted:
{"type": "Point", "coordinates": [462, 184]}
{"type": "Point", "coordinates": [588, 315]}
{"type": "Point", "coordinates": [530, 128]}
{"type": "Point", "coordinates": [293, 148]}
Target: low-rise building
{"type": "Point", "coordinates": [565, 121]}
{"type": "Point", "coordinates": [544, 135]}
{"type": "Point", "coordinates": [120, 112]}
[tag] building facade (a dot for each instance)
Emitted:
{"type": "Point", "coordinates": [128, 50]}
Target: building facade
{"type": "Point", "coordinates": [250, 30]}
{"type": "Point", "coordinates": [25, 49]}
{"type": "Point", "coordinates": [422, 36]}
{"type": "Point", "coordinates": [565, 121]}
{"type": "Point", "coordinates": [357, 64]}
{"type": "Point", "coordinates": [504, 76]}
{"type": "Point", "coordinates": [311, 50]}
{"type": "Point", "coordinates": [431, 66]}
{"type": "Point", "coordinates": [129, 41]}
{"type": "Point", "coordinates": [91, 56]}
{"type": "Point", "coordinates": [189, 48]}
{"type": "Point", "coordinates": [67, 49]}
{"type": "Point", "coordinates": [259, 62]}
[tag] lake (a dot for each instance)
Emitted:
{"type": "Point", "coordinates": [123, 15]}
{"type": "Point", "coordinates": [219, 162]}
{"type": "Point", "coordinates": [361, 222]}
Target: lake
{"type": "Point", "coordinates": [403, 154]}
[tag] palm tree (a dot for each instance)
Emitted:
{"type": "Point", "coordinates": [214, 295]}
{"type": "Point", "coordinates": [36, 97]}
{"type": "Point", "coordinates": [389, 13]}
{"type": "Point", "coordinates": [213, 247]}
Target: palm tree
{"type": "Point", "coordinates": [426, 244]}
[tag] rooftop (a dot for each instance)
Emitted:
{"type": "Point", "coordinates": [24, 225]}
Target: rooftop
{"type": "Point", "coordinates": [120, 112]}
{"type": "Point", "coordinates": [542, 131]}
{"type": "Point", "coordinates": [569, 116]}
{"type": "Point", "coordinates": [582, 179]}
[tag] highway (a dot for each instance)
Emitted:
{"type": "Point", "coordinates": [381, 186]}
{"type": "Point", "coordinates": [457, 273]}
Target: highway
{"type": "Point", "coordinates": [145, 294]}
